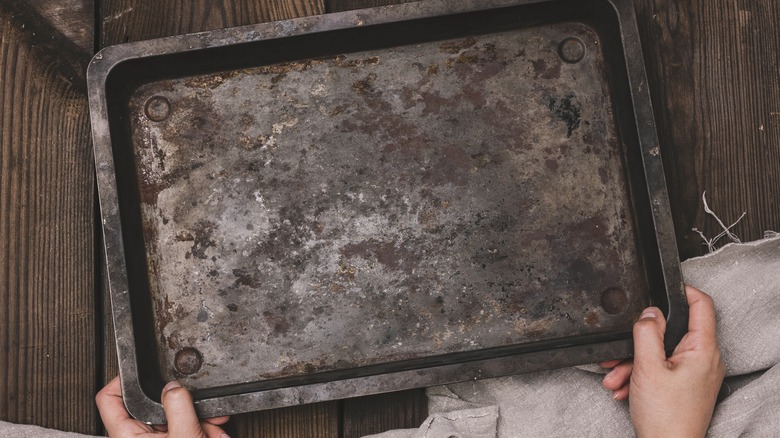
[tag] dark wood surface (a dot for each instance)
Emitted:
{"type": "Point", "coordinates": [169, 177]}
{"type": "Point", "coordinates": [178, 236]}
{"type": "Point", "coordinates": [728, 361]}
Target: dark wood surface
{"type": "Point", "coordinates": [47, 290]}
{"type": "Point", "coordinates": [713, 70]}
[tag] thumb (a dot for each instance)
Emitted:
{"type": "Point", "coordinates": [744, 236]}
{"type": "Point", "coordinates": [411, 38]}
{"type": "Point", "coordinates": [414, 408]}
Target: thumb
{"type": "Point", "coordinates": [649, 338]}
{"type": "Point", "coordinates": [180, 412]}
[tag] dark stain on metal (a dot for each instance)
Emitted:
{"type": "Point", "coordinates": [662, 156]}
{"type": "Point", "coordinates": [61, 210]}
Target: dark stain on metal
{"type": "Point", "coordinates": [614, 300]}
{"type": "Point", "coordinates": [455, 47]}
{"type": "Point", "coordinates": [157, 108]}
{"type": "Point", "coordinates": [568, 109]}
{"type": "Point", "coordinates": [203, 231]}
{"type": "Point", "coordinates": [592, 319]}
{"type": "Point", "coordinates": [546, 71]}
{"type": "Point", "coordinates": [188, 361]}
{"type": "Point", "coordinates": [572, 50]}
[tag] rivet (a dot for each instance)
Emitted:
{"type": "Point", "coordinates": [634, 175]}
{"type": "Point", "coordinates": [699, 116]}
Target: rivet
{"type": "Point", "coordinates": [157, 108]}
{"type": "Point", "coordinates": [571, 50]}
{"type": "Point", "coordinates": [614, 300]}
{"type": "Point", "coordinates": [188, 360]}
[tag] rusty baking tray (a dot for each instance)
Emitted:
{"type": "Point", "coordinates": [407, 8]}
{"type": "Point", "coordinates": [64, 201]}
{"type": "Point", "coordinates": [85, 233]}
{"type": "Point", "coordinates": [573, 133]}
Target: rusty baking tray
{"type": "Point", "coordinates": [379, 200]}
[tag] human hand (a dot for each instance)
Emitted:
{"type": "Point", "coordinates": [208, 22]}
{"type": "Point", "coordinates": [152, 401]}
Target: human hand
{"type": "Point", "coordinates": [675, 396]}
{"type": "Point", "coordinates": [179, 410]}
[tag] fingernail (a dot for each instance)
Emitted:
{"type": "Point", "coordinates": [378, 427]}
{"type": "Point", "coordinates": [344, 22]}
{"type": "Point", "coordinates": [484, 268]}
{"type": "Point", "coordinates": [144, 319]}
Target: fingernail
{"type": "Point", "coordinates": [615, 394]}
{"type": "Point", "coordinates": [224, 435]}
{"type": "Point", "coordinates": [171, 385]}
{"type": "Point", "coordinates": [609, 375]}
{"type": "Point", "coordinates": [647, 314]}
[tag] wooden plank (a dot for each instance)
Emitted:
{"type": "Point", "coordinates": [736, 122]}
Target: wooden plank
{"type": "Point", "coordinates": [737, 112]}
{"type": "Point", "coordinates": [712, 69]}
{"type": "Point", "coordinates": [128, 20]}
{"type": "Point", "coordinates": [346, 5]}
{"type": "Point", "coordinates": [47, 320]}
{"type": "Point", "coordinates": [383, 412]}
{"type": "Point", "coordinates": [316, 420]}
{"type": "Point", "coordinates": [41, 26]}
{"type": "Point", "coordinates": [70, 19]}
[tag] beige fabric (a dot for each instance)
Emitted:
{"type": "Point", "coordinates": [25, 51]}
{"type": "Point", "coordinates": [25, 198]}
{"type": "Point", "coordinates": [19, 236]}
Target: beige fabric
{"type": "Point", "coordinates": [9, 430]}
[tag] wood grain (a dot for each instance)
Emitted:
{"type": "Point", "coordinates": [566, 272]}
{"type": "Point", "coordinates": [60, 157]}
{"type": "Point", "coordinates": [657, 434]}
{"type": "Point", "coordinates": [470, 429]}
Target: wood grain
{"type": "Point", "coordinates": [346, 5]}
{"type": "Point", "coordinates": [69, 19]}
{"type": "Point", "coordinates": [47, 317]}
{"type": "Point", "coordinates": [129, 20]}
{"type": "Point", "coordinates": [713, 75]}
{"type": "Point", "coordinates": [317, 420]}
{"type": "Point", "coordinates": [737, 112]}
{"type": "Point", "coordinates": [382, 412]}
{"type": "Point", "coordinates": [59, 35]}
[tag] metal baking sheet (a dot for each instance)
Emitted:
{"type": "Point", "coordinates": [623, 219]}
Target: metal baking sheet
{"type": "Point", "coordinates": [378, 200]}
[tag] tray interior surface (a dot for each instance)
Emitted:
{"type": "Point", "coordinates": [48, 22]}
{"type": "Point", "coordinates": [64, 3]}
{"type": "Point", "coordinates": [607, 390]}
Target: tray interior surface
{"type": "Point", "coordinates": [359, 208]}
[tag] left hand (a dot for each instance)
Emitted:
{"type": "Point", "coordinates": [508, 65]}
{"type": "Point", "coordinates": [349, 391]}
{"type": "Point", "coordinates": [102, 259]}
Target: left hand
{"type": "Point", "coordinates": [179, 411]}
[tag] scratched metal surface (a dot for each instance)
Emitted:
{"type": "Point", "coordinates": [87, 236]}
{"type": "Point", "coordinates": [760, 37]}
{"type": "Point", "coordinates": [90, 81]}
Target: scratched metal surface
{"type": "Point", "coordinates": [374, 207]}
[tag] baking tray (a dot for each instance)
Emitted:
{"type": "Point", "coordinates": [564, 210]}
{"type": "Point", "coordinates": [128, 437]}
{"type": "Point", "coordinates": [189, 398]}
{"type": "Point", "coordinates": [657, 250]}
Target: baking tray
{"type": "Point", "coordinates": [378, 200]}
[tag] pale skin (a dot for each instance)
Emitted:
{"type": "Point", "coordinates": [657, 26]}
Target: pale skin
{"type": "Point", "coordinates": [179, 410]}
{"type": "Point", "coordinates": [674, 396]}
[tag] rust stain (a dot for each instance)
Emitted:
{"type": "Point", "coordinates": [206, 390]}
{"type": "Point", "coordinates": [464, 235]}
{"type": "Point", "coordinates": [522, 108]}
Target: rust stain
{"type": "Point", "coordinates": [387, 253]}
{"type": "Point", "coordinates": [211, 81]}
{"type": "Point", "coordinates": [453, 47]}
{"type": "Point", "coordinates": [545, 71]}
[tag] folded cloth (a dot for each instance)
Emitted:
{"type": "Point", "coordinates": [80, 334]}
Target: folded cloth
{"type": "Point", "coordinates": [11, 430]}
{"type": "Point", "coordinates": [743, 280]}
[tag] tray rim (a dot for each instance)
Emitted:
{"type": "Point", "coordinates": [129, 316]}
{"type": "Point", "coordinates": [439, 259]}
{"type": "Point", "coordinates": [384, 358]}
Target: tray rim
{"type": "Point", "coordinates": [142, 407]}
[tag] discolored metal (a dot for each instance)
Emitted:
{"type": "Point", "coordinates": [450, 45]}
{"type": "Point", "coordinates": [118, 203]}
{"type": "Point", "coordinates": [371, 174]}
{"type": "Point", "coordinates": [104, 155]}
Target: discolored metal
{"type": "Point", "coordinates": [572, 50]}
{"type": "Point", "coordinates": [188, 360]}
{"type": "Point", "coordinates": [157, 108]}
{"type": "Point", "coordinates": [614, 300]}
{"type": "Point", "coordinates": [438, 193]}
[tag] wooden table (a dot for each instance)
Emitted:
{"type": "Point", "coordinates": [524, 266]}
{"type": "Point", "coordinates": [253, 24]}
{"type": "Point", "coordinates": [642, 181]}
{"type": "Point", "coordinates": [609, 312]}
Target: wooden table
{"type": "Point", "coordinates": [714, 76]}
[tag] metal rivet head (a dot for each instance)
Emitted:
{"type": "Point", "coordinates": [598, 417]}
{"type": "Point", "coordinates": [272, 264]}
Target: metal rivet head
{"type": "Point", "coordinates": [157, 108]}
{"type": "Point", "coordinates": [188, 361]}
{"type": "Point", "coordinates": [571, 50]}
{"type": "Point", "coordinates": [614, 300]}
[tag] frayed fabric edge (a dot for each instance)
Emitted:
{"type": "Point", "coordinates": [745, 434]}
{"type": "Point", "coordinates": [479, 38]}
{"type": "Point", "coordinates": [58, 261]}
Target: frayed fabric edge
{"type": "Point", "coordinates": [769, 236]}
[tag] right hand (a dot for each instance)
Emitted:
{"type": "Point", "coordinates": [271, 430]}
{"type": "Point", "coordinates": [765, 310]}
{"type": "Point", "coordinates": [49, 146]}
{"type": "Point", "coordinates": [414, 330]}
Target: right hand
{"type": "Point", "coordinates": [675, 396]}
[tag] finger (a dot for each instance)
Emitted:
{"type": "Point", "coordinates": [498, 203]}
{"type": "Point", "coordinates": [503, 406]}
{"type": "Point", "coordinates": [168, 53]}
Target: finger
{"type": "Point", "coordinates": [213, 431]}
{"type": "Point", "coordinates": [218, 421]}
{"type": "Point", "coordinates": [649, 338]}
{"type": "Point", "coordinates": [619, 376]}
{"type": "Point", "coordinates": [610, 363]}
{"type": "Point", "coordinates": [701, 311]}
{"type": "Point", "coordinates": [180, 411]}
{"type": "Point", "coordinates": [622, 393]}
{"type": "Point", "coordinates": [110, 405]}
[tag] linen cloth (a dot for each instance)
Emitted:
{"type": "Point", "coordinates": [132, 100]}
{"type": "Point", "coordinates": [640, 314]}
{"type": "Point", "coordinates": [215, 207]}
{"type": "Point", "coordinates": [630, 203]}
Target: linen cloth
{"type": "Point", "coordinates": [11, 430]}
